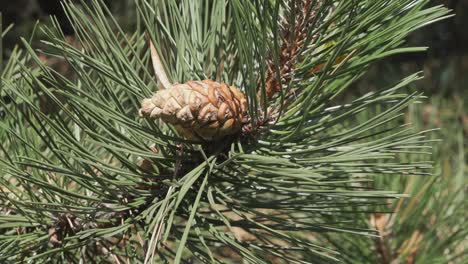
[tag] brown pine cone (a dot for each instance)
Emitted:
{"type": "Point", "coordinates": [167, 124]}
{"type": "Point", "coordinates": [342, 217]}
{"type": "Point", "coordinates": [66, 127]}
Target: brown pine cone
{"type": "Point", "coordinates": [205, 109]}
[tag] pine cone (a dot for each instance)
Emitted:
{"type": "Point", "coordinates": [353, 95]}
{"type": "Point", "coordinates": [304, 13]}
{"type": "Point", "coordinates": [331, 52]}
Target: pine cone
{"type": "Point", "coordinates": [205, 109]}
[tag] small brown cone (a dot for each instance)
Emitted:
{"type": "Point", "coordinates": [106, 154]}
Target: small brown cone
{"type": "Point", "coordinates": [205, 109]}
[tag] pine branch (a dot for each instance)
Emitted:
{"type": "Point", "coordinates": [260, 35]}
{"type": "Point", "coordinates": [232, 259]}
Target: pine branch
{"type": "Point", "coordinates": [93, 181]}
{"type": "Point", "coordinates": [300, 16]}
{"type": "Point", "coordinates": [421, 228]}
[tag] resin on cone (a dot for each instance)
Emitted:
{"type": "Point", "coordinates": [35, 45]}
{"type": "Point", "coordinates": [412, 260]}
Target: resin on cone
{"type": "Point", "coordinates": [199, 110]}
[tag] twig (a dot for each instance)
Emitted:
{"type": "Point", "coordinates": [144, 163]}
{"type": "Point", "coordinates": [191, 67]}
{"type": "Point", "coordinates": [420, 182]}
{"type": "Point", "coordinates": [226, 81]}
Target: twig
{"type": "Point", "coordinates": [379, 221]}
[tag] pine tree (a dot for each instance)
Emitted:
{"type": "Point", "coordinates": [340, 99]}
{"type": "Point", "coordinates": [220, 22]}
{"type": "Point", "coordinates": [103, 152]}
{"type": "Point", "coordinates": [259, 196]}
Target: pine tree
{"type": "Point", "coordinates": [100, 174]}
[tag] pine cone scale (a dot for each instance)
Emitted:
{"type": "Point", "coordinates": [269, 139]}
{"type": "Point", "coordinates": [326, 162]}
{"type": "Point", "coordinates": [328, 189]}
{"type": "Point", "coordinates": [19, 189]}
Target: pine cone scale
{"type": "Point", "coordinates": [226, 92]}
{"type": "Point", "coordinates": [198, 87]}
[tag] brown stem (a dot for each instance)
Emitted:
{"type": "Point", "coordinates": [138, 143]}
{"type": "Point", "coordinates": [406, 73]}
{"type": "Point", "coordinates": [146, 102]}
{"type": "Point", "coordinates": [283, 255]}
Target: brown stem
{"type": "Point", "coordinates": [379, 221]}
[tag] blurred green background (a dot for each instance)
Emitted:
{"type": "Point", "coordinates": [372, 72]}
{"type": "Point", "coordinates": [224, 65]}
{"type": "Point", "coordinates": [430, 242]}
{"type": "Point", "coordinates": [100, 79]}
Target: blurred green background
{"type": "Point", "coordinates": [437, 223]}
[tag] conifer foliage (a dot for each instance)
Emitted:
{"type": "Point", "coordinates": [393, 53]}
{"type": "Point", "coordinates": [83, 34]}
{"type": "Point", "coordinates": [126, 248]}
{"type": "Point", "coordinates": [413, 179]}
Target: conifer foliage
{"type": "Point", "coordinates": [92, 181]}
